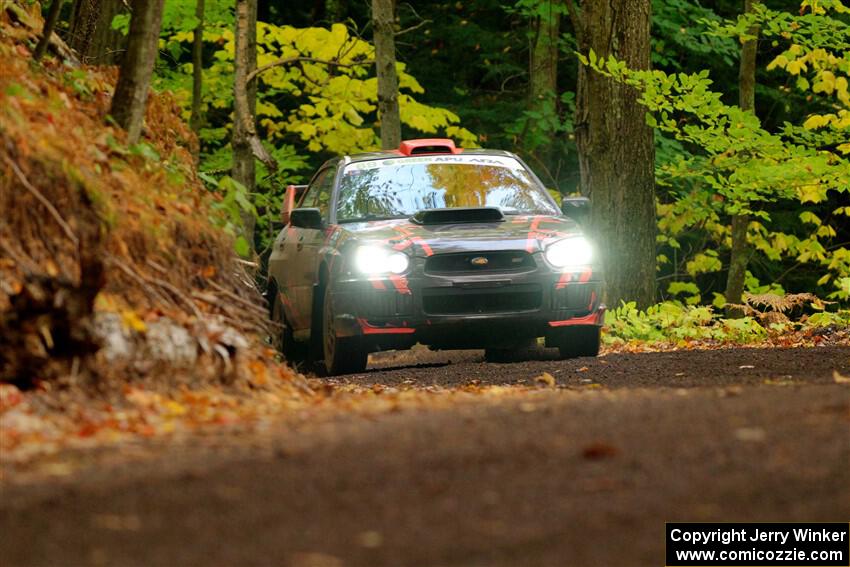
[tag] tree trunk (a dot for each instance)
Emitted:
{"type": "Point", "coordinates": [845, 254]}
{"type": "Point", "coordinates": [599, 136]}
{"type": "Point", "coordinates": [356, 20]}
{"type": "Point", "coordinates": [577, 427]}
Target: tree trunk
{"type": "Point", "coordinates": [543, 71]}
{"type": "Point", "coordinates": [131, 92]}
{"type": "Point", "coordinates": [197, 68]}
{"type": "Point", "coordinates": [616, 148]}
{"type": "Point", "coordinates": [737, 264]}
{"type": "Point", "coordinates": [739, 254]}
{"type": "Point", "coordinates": [47, 29]}
{"type": "Point", "coordinates": [383, 24]}
{"type": "Point", "coordinates": [91, 33]}
{"type": "Point", "coordinates": [244, 104]}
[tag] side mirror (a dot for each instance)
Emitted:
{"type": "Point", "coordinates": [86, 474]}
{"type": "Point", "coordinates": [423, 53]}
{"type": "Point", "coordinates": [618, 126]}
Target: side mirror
{"type": "Point", "coordinates": [576, 208]}
{"type": "Point", "coordinates": [307, 218]}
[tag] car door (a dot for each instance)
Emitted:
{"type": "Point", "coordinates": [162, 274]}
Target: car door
{"type": "Point", "coordinates": [285, 259]}
{"type": "Point", "coordinates": [281, 257]}
{"type": "Point", "coordinates": [306, 245]}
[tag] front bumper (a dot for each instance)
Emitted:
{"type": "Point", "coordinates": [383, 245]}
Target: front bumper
{"type": "Point", "coordinates": [465, 309]}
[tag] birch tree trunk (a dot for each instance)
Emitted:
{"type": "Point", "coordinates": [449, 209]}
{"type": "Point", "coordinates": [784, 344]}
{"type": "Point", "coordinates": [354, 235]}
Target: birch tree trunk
{"type": "Point", "coordinates": [245, 142]}
{"type": "Point", "coordinates": [739, 254]}
{"type": "Point", "coordinates": [616, 148]}
{"type": "Point", "coordinates": [383, 24]}
{"type": "Point", "coordinates": [131, 92]}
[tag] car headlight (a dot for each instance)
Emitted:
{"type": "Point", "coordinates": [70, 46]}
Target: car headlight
{"type": "Point", "coordinates": [570, 253]}
{"type": "Point", "coordinates": [377, 260]}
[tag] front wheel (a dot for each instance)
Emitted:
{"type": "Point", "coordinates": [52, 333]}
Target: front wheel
{"type": "Point", "coordinates": [579, 341]}
{"type": "Point", "coordinates": [343, 355]}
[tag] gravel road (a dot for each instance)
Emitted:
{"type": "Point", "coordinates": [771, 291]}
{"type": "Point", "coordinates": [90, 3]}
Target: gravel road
{"type": "Point", "coordinates": [582, 474]}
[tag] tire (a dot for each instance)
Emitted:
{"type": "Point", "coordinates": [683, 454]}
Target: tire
{"type": "Point", "coordinates": [341, 355]}
{"type": "Point", "coordinates": [282, 338]}
{"type": "Point", "coordinates": [579, 341]}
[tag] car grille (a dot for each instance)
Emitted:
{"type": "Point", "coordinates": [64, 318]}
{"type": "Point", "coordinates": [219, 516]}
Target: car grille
{"type": "Point", "coordinates": [474, 262]}
{"type": "Point", "coordinates": [377, 304]}
{"type": "Point", "coordinates": [576, 298]}
{"type": "Point", "coordinates": [510, 299]}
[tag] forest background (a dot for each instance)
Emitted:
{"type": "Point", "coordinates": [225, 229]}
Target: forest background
{"type": "Point", "coordinates": [505, 75]}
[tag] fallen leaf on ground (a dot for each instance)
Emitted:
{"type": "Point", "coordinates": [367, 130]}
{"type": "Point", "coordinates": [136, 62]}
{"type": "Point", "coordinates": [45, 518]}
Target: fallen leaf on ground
{"type": "Point", "coordinates": [370, 539]}
{"type": "Point", "coordinates": [839, 379]}
{"type": "Point", "coordinates": [750, 434]}
{"type": "Point", "coordinates": [547, 379]}
{"type": "Point", "coordinates": [9, 396]}
{"type": "Point", "coordinates": [599, 450]}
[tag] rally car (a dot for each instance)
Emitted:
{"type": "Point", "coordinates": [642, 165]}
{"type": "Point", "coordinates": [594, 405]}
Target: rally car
{"type": "Point", "coordinates": [433, 244]}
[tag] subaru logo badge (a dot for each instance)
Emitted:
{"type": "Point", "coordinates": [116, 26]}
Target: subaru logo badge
{"type": "Point", "coordinates": [479, 261]}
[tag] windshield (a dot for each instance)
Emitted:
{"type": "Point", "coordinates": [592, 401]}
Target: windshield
{"type": "Point", "coordinates": [397, 188]}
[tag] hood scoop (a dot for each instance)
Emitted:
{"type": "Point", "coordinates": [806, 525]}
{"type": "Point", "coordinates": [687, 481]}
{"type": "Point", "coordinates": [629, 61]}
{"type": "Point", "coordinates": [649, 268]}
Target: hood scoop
{"type": "Point", "coordinates": [458, 215]}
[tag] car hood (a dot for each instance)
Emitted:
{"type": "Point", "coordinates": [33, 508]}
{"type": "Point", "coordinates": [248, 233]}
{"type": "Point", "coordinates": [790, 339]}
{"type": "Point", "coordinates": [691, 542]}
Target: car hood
{"type": "Point", "coordinates": [517, 232]}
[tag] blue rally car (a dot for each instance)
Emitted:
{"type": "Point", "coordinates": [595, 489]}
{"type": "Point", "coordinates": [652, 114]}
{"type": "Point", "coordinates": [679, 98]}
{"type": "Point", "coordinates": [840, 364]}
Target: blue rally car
{"type": "Point", "coordinates": [434, 244]}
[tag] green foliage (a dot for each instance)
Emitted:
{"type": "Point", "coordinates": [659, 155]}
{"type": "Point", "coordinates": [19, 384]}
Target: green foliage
{"type": "Point", "coordinates": [470, 60]}
{"type": "Point", "coordinates": [678, 34]}
{"type": "Point", "coordinates": [736, 166]}
{"type": "Point", "coordinates": [325, 98]}
{"type": "Point", "coordinates": [688, 289]}
{"type": "Point", "coordinates": [234, 202]}
{"type": "Point", "coordinates": [675, 322]}
{"type": "Point", "coordinates": [322, 101]}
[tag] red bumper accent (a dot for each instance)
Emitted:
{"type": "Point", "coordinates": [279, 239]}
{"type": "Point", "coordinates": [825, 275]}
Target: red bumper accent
{"type": "Point", "coordinates": [592, 319]}
{"type": "Point", "coordinates": [370, 330]}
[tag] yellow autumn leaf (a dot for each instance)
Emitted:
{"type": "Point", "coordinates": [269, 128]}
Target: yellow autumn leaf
{"type": "Point", "coordinates": [183, 36]}
{"type": "Point", "coordinates": [780, 61]}
{"type": "Point", "coordinates": [174, 408]}
{"type": "Point", "coordinates": [816, 121]}
{"type": "Point", "coordinates": [794, 67]}
{"type": "Point", "coordinates": [811, 193]}
{"type": "Point", "coordinates": [546, 379]}
{"type": "Point", "coordinates": [131, 320]}
{"type": "Point", "coordinates": [825, 84]}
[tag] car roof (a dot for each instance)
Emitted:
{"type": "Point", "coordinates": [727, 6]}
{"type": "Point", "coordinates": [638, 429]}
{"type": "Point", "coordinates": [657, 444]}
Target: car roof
{"type": "Point", "coordinates": [393, 154]}
{"type": "Point", "coordinates": [410, 148]}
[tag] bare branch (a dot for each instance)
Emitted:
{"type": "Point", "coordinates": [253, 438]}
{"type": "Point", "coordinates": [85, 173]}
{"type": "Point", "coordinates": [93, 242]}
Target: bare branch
{"type": "Point", "coordinates": [413, 28]}
{"type": "Point", "coordinates": [238, 299]}
{"type": "Point", "coordinates": [259, 150]}
{"type": "Point", "coordinates": [42, 199]}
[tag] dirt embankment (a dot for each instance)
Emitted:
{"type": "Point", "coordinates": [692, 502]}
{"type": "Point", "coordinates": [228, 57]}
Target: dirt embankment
{"type": "Point", "coordinates": [112, 267]}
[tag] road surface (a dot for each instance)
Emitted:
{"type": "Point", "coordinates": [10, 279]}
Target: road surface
{"type": "Point", "coordinates": [582, 474]}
